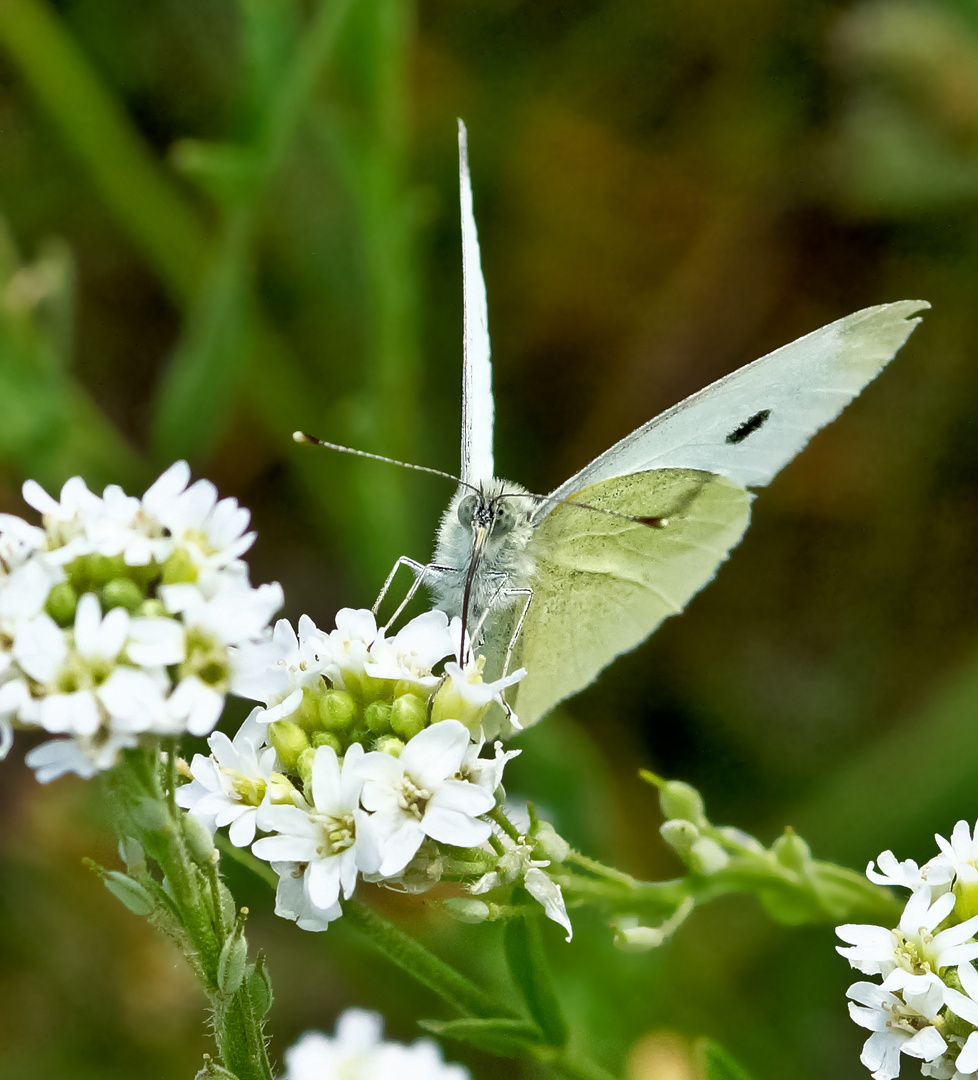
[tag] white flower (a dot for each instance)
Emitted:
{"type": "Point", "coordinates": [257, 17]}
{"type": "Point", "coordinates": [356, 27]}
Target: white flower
{"type": "Point", "coordinates": [910, 957]}
{"type": "Point", "coordinates": [414, 650]}
{"type": "Point", "coordinates": [959, 856]}
{"type": "Point", "coordinates": [24, 592]}
{"type": "Point", "coordinates": [296, 662]}
{"type": "Point", "coordinates": [358, 1052]}
{"type": "Point", "coordinates": [324, 837]}
{"type": "Point", "coordinates": [233, 614]}
{"type": "Point", "coordinates": [897, 1027]}
{"type": "Point", "coordinates": [416, 795]}
{"type": "Point", "coordinates": [229, 786]}
{"type": "Point", "coordinates": [349, 644]}
{"type": "Point", "coordinates": [464, 695]}
{"type": "Point", "coordinates": [487, 773]}
{"type": "Point", "coordinates": [211, 531]}
{"type": "Point", "coordinates": [65, 521]}
{"type": "Point", "coordinates": [906, 874]}
{"type": "Point", "coordinates": [72, 678]}
{"type": "Point", "coordinates": [83, 755]}
{"type": "Point", "coordinates": [292, 899]}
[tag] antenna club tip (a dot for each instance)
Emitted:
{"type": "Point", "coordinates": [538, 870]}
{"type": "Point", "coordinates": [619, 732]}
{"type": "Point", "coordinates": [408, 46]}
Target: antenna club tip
{"type": "Point", "coordinates": [300, 437]}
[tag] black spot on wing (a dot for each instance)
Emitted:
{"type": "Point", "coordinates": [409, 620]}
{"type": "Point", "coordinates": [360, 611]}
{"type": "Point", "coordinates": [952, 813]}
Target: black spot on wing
{"type": "Point", "coordinates": [748, 427]}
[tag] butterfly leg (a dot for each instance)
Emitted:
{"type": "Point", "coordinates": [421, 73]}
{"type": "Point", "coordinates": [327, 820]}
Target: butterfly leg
{"type": "Point", "coordinates": [416, 568]}
{"type": "Point", "coordinates": [514, 637]}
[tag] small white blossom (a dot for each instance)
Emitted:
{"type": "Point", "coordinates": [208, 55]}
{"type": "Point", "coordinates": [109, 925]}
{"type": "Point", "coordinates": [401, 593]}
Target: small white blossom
{"type": "Point", "coordinates": [910, 957]}
{"type": "Point", "coordinates": [416, 795]}
{"type": "Point", "coordinates": [229, 786]}
{"type": "Point", "coordinates": [414, 650]}
{"type": "Point", "coordinates": [296, 662]}
{"type": "Point", "coordinates": [897, 1027]}
{"type": "Point", "coordinates": [324, 838]}
{"type": "Point", "coordinates": [358, 1052]}
{"type": "Point", "coordinates": [83, 755]}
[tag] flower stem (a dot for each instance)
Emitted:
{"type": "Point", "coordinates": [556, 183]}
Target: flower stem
{"type": "Point", "coordinates": [421, 964]}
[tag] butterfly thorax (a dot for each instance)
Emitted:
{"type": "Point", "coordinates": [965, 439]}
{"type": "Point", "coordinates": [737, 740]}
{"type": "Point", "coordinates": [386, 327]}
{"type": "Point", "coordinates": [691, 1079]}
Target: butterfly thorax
{"type": "Point", "coordinates": [484, 539]}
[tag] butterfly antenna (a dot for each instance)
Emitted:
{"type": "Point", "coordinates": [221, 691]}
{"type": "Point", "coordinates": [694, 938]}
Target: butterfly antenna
{"type": "Point", "coordinates": [640, 519]}
{"type": "Point", "coordinates": [311, 440]}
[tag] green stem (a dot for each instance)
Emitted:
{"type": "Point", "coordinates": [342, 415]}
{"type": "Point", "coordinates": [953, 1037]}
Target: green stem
{"type": "Point", "coordinates": [607, 872]}
{"type": "Point", "coordinates": [421, 964]}
{"type": "Point", "coordinates": [497, 815]}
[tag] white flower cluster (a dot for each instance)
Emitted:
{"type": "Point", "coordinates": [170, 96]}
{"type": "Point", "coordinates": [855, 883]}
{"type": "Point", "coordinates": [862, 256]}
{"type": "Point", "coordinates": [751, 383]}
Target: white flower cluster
{"type": "Point", "coordinates": [927, 1004]}
{"type": "Point", "coordinates": [123, 617]}
{"type": "Point", "coordinates": [358, 1051]}
{"type": "Point", "coordinates": [363, 763]}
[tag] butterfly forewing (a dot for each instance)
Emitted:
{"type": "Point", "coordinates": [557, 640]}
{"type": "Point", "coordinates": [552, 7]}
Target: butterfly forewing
{"type": "Point", "coordinates": [603, 583]}
{"type": "Point", "coordinates": [750, 424]}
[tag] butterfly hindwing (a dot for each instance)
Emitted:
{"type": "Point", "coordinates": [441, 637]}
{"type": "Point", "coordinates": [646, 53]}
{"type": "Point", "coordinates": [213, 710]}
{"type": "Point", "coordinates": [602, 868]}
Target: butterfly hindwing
{"type": "Point", "coordinates": [602, 583]}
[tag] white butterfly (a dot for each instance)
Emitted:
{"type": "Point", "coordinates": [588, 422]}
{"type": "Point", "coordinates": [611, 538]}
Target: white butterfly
{"type": "Point", "coordinates": [567, 588]}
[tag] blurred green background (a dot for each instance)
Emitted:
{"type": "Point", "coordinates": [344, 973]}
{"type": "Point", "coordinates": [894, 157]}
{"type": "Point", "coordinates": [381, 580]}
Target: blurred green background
{"type": "Point", "coordinates": [226, 219]}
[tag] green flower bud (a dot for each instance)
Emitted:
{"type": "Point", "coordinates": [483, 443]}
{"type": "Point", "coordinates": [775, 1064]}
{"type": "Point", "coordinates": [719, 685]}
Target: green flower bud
{"type": "Point", "coordinates": [289, 741]}
{"type": "Point", "coordinates": [707, 857]}
{"type": "Point", "coordinates": [680, 836]}
{"type": "Point", "coordinates": [466, 910]}
{"type": "Point", "coordinates": [132, 854]}
{"type": "Point", "coordinates": [378, 717]}
{"type": "Point", "coordinates": [548, 844]}
{"type": "Point", "coordinates": [327, 738]}
{"type": "Point", "coordinates": [966, 899]}
{"type": "Point", "coordinates": [408, 716]}
{"type": "Point", "coordinates": [179, 567]}
{"type": "Point", "coordinates": [151, 815]}
{"type": "Point", "coordinates": [337, 711]}
{"type": "Point", "coordinates": [200, 843]}
{"type": "Point", "coordinates": [233, 961]}
{"type": "Point", "coordinates": [122, 592]}
{"type": "Point", "coordinates": [61, 603]}
{"type": "Point", "coordinates": [303, 767]}
{"type": "Point", "coordinates": [791, 851]}
{"type": "Point", "coordinates": [135, 896]}
{"type": "Point", "coordinates": [259, 987]}
{"type": "Point", "coordinates": [679, 800]}
{"type": "Point", "coordinates": [389, 744]}
{"type": "Point", "coordinates": [152, 608]}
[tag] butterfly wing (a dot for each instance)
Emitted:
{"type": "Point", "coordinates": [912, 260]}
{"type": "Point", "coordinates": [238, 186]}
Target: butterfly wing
{"type": "Point", "coordinates": [477, 407]}
{"type": "Point", "coordinates": [602, 583]}
{"type": "Point", "coordinates": [750, 424]}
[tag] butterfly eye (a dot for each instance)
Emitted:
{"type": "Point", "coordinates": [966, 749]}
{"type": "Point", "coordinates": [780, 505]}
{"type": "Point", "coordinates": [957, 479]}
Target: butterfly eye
{"type": "Point", "coordinates": [504, 519]}
{"type": "Point", "coordinates": [466, 510]}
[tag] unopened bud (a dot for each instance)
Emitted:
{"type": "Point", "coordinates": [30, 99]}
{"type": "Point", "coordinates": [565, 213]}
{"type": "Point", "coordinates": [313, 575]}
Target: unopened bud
{"type": "Point", "coordinates": [389, 744]}
{"type": "Point", "coordinates": [132, 854]}
{"type": "Point", "coordinates": [200, 842]}
{"type": "Point", "coordinates": [327, 738]}
{"type": "Point", "coordinates": [303, 767]}
{"type": "Point", "coordinates": [791, 851]}
{"type": "Point", "coordinates": [61, 603]}
{"type": "Point", "coordinates": [152, 608]}
{"type": "Point", "coordinates": [259, 986]}
{"type": "Point", "coordinates": [179, 568]}
{"type": "Point", "coordinates": [337, 711]}
{"type": "Point", "coordinates": [466, 910]}
{"type": "Point", "coordinates": [680, 835]}
{"type": "Point", "coordinates": [122, 592]}
{"type": "Point", "coordinates": [679, 800]}
{"type": "Point", "coordinates": [408, 716]}
{"type": "Point", "coordinates": [135, 896]}
{"type": "Point", "coordinates": [233, 961]}
{"type": "Point", "coordinates": [707, 857]}
{"type": "Point", "coordinates": [289, 741]}
{"type": "Point", "coordinates": [378, 718]}
{"type": "Point", "coordinates": [548, 844]}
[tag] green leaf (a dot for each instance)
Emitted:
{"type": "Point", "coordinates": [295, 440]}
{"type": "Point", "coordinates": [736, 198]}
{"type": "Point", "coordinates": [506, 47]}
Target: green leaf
{"type": "Point", "coordinates": [531, 974]}
{"type": "Point", "coordinates": [717, 1064]}
{"type": "Point", "coordinates": [507, 1038]}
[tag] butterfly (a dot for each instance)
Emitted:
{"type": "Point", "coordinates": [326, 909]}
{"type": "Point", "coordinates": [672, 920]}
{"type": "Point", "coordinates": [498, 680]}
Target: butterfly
{"type": "Point", "coordinates": [562, 584]}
